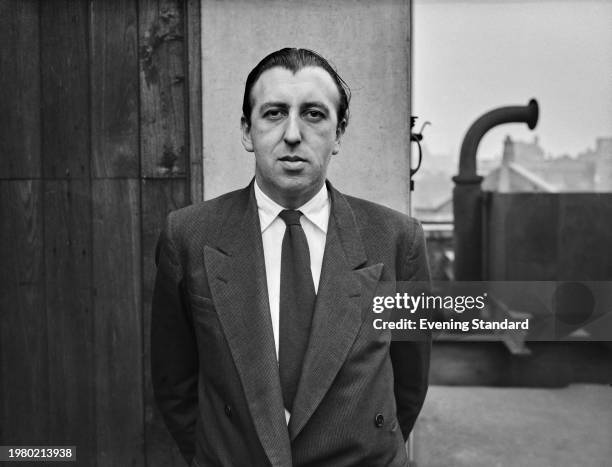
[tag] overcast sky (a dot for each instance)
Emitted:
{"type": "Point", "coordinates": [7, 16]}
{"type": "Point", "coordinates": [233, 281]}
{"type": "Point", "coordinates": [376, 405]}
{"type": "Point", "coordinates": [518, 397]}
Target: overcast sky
{"type": "Point", "coordinates": [474, 55]}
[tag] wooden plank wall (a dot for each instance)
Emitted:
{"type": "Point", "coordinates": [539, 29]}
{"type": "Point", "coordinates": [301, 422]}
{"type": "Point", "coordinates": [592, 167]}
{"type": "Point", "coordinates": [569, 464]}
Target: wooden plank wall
{"type": "Point", "coordinates": [99, 139]}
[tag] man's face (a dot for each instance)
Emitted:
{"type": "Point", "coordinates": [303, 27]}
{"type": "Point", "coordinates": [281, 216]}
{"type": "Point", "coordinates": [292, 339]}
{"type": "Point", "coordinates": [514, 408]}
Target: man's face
{"type": "Point", "coordinates": [293, 132]}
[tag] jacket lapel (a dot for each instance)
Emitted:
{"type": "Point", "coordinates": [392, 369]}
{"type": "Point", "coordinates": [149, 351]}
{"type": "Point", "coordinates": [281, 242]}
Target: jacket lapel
{"type": "Point", "coordinates": [338, 310]}
{"type": "Point", "coordinates": [237, 278]}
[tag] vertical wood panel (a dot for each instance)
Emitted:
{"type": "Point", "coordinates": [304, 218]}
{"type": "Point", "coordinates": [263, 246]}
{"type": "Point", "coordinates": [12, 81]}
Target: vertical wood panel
{"type": "Point", "coordinates": [116, 234]}
{"type": "Point", "coordinates": [67, 223]}
{"type": "Point", "coordinates": [162, 88]}
{"type": "Point", "coordinates": [114, 89]}
{"type": "Point", "coordinates": [194, 101]}
{"type": "Point", "coordinates": [23, 336]}
{"type": "Point", "coordinates": [118, 322]}
{"type": "Point", "coordinates": [159, 197]}
{"type": "Point", "coordinates": [20, 90]}
{"type": "Point", "coordinates": [65, 88]}
{"type": "Point", "coordinates": [67, 218]}
{"type": "Point", "coordinates": [163, 154]}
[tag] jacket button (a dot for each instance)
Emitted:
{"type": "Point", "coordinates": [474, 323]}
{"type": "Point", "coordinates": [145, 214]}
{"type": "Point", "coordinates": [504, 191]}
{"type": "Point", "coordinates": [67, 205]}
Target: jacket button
{"type": "Point", "coordinates": [379, 420]}
{"type": "Point", "coordinates": [228, 410]}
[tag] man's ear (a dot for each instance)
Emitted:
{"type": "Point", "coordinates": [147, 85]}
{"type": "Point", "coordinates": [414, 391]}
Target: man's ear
{"type": "Point", "coordinates": [339, 133]}
{"type": "Point", "coordinates": [246, 134]}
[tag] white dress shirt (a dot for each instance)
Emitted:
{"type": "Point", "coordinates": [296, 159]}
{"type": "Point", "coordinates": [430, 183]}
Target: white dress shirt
{"type": "Point", "coordinates": [314, 222]}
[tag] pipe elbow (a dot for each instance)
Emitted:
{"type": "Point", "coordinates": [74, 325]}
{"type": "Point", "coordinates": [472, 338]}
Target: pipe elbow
{"type": "Point", "coordinates": [527, 114]}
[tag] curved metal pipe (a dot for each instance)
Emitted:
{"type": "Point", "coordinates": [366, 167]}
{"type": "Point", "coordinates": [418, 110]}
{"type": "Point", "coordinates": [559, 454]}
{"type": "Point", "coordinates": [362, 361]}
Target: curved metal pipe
{"type": "Point", "coordinates": [467, 194]}
{"type": "Point", "coordinates": [512, 114]}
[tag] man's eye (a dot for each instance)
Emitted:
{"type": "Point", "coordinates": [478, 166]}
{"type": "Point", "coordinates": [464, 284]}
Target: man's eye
{"type": "Point", "coordinates": [273, 114]}
{"type": "Point", "coordinates": [314, 115]}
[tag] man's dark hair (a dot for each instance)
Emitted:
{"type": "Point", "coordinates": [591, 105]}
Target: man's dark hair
{"type": "Point", "coordinates": [294, 60]}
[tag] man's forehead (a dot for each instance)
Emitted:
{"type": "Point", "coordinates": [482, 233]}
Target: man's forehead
{"type": "Point", "coordinates": [310, 82]}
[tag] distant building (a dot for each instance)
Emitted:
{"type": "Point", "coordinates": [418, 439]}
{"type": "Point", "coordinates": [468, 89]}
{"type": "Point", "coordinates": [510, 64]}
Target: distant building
{"type": "Point", "coordinates": [529, 153]}
{"type": "Point", "coordinates": [524, 168]}
{"type": "Point", "coordinates": [603, 164]}
{"type": "Point", "coordinates": [589, 171]}
{"type": "Point", "coordinates": [440, 213]}
{"type": "Point", "coordinates": [511, 176]}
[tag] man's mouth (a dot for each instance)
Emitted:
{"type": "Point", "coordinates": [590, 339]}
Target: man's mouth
{"type": "Point", "coordinates": [293, 164]}
{"type": "Point", "coordinates": [292, 159]}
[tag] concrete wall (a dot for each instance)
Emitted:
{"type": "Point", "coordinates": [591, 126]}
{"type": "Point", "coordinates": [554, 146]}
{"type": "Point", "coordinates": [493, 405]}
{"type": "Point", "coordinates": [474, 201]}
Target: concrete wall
{"type": "Point", "coordinates": [369, 42]}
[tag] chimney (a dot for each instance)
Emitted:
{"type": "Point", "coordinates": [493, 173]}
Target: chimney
{"type": "Point", "coordinates": [604, 147]}
{"type": "Point", "coordinates": [508, 155]}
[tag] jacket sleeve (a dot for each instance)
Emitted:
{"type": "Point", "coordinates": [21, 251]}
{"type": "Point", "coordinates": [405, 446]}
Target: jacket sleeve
{"type": "Point", "coordinates": [174, 357]}
{"type": "Point", "coordinates": [410, 356]}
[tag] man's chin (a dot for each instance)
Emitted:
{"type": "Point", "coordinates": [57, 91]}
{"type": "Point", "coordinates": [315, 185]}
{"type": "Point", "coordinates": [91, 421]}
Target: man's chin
{"type": "Point", "coordinates": [294, 191]}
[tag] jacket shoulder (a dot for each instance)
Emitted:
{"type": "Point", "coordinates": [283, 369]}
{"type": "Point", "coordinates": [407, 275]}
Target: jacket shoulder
{"type": "Point", "coordinates": [386, 230]}
{"type": "Point", "coordinates": [204, 217]}
{"type": "Point", "coordinates": [373, 215]}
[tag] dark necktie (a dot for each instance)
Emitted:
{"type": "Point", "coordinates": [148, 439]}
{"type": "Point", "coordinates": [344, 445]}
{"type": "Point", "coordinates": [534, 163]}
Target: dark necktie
{"type": "Point", "coordinates": [296, 304]}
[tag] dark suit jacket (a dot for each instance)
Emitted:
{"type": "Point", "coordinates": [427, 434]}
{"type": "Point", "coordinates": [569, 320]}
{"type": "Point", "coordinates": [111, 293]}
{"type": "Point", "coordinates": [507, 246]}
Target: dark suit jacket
{"type": "Point", "coordinates": [214, 366]}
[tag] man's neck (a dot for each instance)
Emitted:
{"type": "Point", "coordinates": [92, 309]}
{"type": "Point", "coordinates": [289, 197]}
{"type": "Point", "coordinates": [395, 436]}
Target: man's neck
{"type": "Point", "coordinates": [288, 201]}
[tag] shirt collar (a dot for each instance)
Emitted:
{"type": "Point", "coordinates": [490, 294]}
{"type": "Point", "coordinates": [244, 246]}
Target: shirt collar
{"type": "Point", "coordinates": [316, 210]}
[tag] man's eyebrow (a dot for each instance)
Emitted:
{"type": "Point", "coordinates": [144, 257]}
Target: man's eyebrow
{"type": "Point", "coordinates": [266, 105]}
{"type": "Point", "coordinates": [283, 105]}
{"type": "Point", "coordinates": [315, 104]}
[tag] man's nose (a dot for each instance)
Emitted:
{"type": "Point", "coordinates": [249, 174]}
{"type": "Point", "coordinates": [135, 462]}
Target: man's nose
{"type": "Point", "coordinates": [293, 133]}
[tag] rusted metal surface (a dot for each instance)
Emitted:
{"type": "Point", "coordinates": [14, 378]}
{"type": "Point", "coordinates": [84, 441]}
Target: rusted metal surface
{"type": "Point", "coordinates": [549, 236]}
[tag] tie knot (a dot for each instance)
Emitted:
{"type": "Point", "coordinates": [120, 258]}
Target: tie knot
{"type": "Point", "coordinates": [290, 216]}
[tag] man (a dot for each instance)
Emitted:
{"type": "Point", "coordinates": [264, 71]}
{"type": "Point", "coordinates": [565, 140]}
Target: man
{"type": "Point", "coordinates": [263, 352]}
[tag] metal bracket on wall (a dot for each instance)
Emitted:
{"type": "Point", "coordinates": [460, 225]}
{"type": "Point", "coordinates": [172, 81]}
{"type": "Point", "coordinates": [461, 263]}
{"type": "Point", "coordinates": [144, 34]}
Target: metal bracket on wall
{"type": "Point", "coordinates": [416, 138]}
